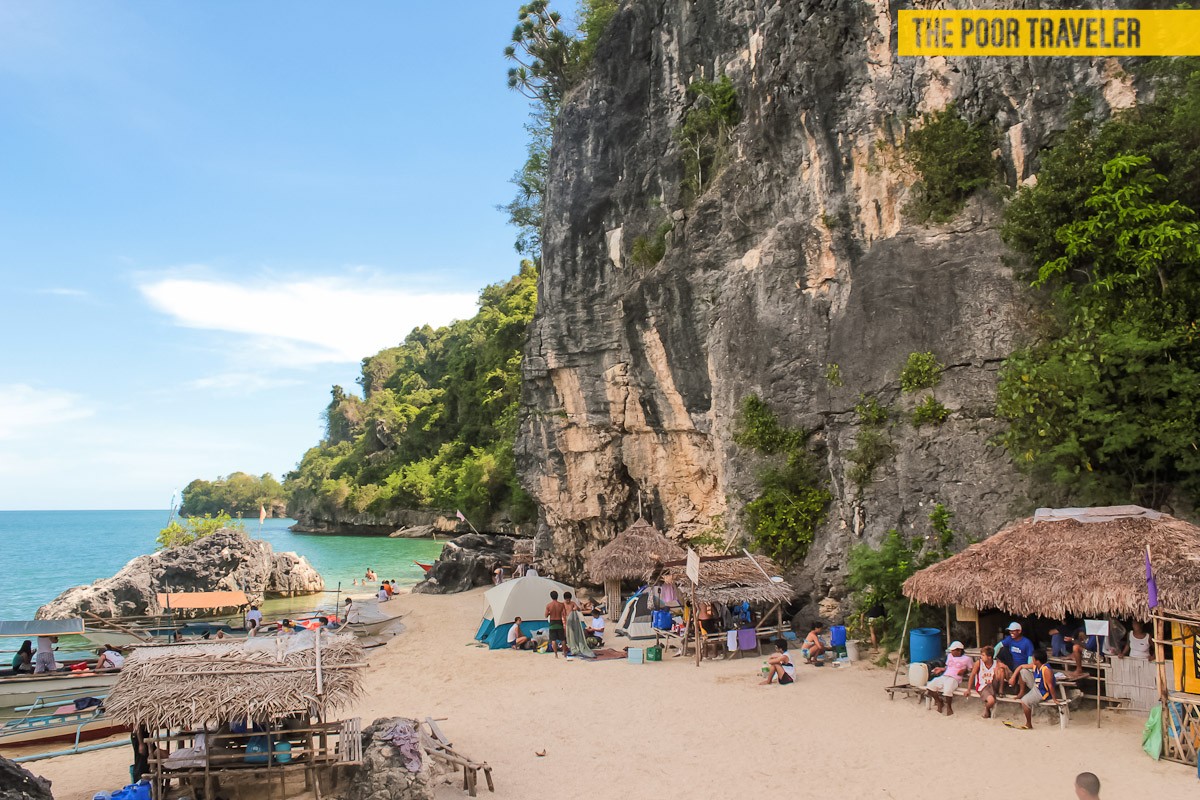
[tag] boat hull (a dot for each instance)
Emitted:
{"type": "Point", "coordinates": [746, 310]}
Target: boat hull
{"type": "Point", "coordinates": [24, 690]}
{"type": "Point", "coordinates": [60, 732]}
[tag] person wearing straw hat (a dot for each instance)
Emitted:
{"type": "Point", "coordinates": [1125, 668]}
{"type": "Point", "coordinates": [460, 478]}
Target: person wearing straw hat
{"type": "Point", "coordinates": [949, 678]}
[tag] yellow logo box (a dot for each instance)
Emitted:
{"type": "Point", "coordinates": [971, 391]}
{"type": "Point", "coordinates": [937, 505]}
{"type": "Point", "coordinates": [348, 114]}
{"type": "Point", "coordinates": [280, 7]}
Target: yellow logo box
{"type": "Point", "coordinates": [1049, 33]}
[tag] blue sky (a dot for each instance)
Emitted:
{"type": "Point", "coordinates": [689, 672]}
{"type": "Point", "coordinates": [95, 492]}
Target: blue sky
{"type": "Point", "coordinates": [211, 211]}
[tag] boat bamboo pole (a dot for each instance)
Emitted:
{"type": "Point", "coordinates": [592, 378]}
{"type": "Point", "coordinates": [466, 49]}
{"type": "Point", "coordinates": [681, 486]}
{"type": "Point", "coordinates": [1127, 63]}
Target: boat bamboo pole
{"type": "Point", "coordinates": [113, 623]}
{"type": "Point", "coordinates": [903, 633]}
{"type": "Point", "coordinates": [320, 677]}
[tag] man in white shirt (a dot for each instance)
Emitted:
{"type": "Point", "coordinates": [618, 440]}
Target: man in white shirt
{"type": "Point", "coordinates": [596, 627]}
{"type": "Point", "coordinates": [253, 620]}
{"type": "Point", "coordinates": [44, 660]}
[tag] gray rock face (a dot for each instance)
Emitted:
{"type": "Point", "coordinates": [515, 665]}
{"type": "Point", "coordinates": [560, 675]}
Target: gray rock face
{"type": "Point", "coordinates": [384, 774]}
{"type": "Point", "coordinates": [798, 255]}
{"type": "Point", "coordinates": [227, 560]}
{"type": "Point", "coordinates": [466, 562]}
{"type": "Point", "coordinates": [18, 783]}
{"type": "Point", "coordinates": [400, 522]}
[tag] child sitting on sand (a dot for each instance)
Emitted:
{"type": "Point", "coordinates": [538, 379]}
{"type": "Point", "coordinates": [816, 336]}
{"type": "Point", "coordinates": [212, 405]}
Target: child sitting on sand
{"type": "Point", "coordinates": [780, 664]}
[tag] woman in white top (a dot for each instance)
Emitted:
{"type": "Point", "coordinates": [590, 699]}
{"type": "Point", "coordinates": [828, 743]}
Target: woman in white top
{"type": "Point", "coordinates": [1138, 645]}
{"type": "Point", "coordinates": [110, 658]}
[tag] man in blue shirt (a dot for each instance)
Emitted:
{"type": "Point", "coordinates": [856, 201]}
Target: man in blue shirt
{"type": "Point", "coordinates": [1015, 650]}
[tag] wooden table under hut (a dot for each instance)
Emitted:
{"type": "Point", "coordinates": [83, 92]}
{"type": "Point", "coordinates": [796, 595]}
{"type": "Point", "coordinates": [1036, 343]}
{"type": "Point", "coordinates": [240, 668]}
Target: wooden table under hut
{"type": "Point", "coordinates": [626, 558]}
{"type": "Point", "coordinates": [235, 712]}
{"type": "Point", "coordinates": [730, 581]}
{"type": "Point", "coordinates": [1081, 564]}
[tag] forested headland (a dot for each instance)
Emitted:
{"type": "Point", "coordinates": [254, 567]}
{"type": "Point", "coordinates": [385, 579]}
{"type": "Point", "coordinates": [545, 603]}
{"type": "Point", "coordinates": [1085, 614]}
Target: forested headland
{"type": "Point", "coordinates": [238, 494]}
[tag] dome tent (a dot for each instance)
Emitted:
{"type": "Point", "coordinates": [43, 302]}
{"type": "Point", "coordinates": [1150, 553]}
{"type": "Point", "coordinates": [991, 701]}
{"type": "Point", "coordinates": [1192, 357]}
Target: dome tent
{"type": "Point", "coordinates": [521, 597]}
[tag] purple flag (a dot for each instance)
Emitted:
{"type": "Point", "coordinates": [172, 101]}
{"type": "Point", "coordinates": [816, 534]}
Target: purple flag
{"type": "Point", "coordinates": [1151, 586]}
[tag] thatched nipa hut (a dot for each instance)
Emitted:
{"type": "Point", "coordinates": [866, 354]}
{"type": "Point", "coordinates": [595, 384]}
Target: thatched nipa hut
{"type": "Point", "coordinates": [199, 706]}
{"type": "Point", "coordinates": [627, 557]}
{"type": "Point", "coordinates": [1086, 562]}
{"type": "Point", "coordinates": [731, 579]}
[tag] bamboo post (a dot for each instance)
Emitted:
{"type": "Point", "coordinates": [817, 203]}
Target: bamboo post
{"type": "Point", "coordinates": [947, 626]}
{"type": "Point", "coordinates": [900, 653]}
{"type": "Point", "coordinates": [320, 677]}
{"type": "Point", "coordinates": [612, 598]}
{"type": "Point", "coordinates": [696, 624]}
{"type": "Point", "coordinates": [1099, 681]}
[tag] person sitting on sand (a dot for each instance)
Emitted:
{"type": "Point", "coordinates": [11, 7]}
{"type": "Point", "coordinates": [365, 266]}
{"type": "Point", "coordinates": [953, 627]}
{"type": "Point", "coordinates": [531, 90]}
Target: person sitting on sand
{"type": "Point", "coordinates": [382, 594]}
{"type": "Point", "coordinates": [109, 658]}
{"type": "Point", "coordinates": [517, 639]}
{"type": "Point", "coordinates": [780, 665]}
{"type": "Point", "coordinates": [813, 648]}
{"type": "Point", "coordinates": [595, 628]}
{"type": "Point", "coordinates": [23, 659]}
{"type": "Point", "coordinates": [949, 678]}
{"type": "Point", "coordinates": [1087, 786]}
{"type": "Point", "coordinates": [985, 679]}
{"type": "Point", "coordinates": [1038, 680]}
{"type": "Point", "coordinates": [556, 614]}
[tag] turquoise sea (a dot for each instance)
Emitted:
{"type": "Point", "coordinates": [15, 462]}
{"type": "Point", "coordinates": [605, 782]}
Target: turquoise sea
{"type": "Point", "coordinates": [45, 552]}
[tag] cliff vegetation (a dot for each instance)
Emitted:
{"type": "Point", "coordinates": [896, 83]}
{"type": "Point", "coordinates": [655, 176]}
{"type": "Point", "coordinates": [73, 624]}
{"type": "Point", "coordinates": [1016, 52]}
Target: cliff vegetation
{"type": "Point", "coordinates": [435, 424]}
{"type": "Point", "coordinates": [1106, 401]}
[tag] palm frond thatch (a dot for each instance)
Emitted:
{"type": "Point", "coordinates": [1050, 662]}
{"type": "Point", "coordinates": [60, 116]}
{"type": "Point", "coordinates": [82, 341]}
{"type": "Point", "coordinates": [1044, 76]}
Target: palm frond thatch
{"type": "Point", "coordinates": [731, 580]}
{"type": "Point", "coordinates": [190, 685]}
{"type": "Point", "coordinates": [1057, 566]}
{"type": "Point", "coordinates": [631, 552]}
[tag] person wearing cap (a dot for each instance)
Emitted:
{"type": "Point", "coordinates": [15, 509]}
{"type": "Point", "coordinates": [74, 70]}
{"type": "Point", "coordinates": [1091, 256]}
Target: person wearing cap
{"type": "Point", "coordinates": [1015, 649]}
{"type": "Point", "coordinates": [949, 678]}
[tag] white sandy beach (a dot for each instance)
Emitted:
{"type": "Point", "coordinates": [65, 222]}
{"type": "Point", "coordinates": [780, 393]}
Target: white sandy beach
{"type": "Point", "coordinates": [612, 729]}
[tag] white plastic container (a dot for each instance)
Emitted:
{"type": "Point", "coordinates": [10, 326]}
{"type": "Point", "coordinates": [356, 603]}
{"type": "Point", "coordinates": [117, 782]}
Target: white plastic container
{"type": "Point", "coordinates": [852, 650]}
{"type": "Point", "coordinates": [918, 674]}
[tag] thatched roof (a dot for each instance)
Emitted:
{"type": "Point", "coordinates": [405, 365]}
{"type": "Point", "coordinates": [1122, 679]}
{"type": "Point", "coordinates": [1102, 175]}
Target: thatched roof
{"type": "Point", "coordinates": [631, 553]}
{"type": "Point", "coordinates": [193, 684]}
{"type": "Point", "coordinates": [1056, 565]}
{"type": "Point", "coordinates": [731, 580]}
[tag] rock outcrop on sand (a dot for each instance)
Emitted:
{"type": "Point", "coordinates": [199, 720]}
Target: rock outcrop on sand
{"type": "Point", "coordinates": [17, 783]}
{"type": "Point", "coordinates": [466, 562]}
{"type": "Point", "coordinates": [227, 560]}
{"type": "Point", "coordinates": [796, 257]}
{"type": "Point", "coordinates": [387, 770]}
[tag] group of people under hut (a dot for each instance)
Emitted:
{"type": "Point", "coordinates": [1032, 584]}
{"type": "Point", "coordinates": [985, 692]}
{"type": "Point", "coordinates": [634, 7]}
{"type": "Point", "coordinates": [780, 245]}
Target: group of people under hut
{"type": "Point", "coordinates": [576, 628]}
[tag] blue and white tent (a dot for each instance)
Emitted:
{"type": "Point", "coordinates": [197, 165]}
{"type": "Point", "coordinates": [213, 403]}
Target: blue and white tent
{"type": "Point", "coordinates": [521, 597]}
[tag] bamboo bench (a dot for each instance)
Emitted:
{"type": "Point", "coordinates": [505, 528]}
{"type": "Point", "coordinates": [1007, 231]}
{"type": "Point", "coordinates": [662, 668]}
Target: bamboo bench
{"type": "Point", "coordinates": [440, 748]}
{"type": "Point", "coordinates": [1063, 707]}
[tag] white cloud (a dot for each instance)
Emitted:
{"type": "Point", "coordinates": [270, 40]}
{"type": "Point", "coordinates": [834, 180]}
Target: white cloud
{"type": "Point", "coordinates": [24, 409]}
{"type": "Point", "coordinates": [63, 292]}
{"type": "Point", "coordinates": [306, 321]}
{"type": "Point", "coordinates": [240, 383]}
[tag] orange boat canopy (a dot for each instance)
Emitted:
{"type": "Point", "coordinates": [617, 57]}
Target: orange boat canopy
{"type": "Point", "coordinates": [202, 599]}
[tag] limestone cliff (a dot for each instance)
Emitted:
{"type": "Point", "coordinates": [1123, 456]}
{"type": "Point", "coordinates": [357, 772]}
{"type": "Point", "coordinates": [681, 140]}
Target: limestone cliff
{"type": "Point", "coordinates": [799, 255]}
{"type": "Point", "coordinates": [225, 561]}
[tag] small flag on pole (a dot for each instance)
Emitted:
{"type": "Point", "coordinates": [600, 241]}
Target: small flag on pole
{"type": "Point", "coordinates": [1151, 585]}
{"type": "Point", "coordinates": [262, 514]}
{"type": "Point", "coordinates": [459, 514]}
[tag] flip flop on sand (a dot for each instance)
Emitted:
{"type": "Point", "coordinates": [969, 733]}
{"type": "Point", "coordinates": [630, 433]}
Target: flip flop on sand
{"type": "Point", "coordinates": [1015, 726]}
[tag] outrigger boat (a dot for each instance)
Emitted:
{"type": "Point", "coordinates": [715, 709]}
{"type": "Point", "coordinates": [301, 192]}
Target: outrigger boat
{"type": "Point", "coordinates": [58, 718]}
{"type": "Point", "coordinates": [25, 688]}
{"type": "Point", "coordinates": [424, 566]}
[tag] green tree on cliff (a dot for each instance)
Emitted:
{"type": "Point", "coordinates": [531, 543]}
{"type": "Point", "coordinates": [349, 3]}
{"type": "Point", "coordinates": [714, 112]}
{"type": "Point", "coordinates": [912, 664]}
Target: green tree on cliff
{"type": "Point", "coordinates": [238, 493]}
{"type": "Point", "coordinates": [1107, 401]}
{"type": "Point", "coordinates": [437, 421]}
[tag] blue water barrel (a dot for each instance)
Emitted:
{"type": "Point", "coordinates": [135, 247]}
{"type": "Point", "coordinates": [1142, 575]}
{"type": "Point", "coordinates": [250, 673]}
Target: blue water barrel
{"type": "Point", "coordinates": [837, 635]}
{"type": "Point", "coordinates": [924, 644]}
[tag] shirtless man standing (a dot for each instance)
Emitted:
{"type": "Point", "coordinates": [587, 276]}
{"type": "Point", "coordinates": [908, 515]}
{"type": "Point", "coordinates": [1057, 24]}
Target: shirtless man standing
{"type": "Point", "coordinates": [556, 613]}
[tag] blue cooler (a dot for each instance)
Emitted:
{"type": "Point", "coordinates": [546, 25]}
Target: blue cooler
{"type": "Point", "coordinates": [660, 620]}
